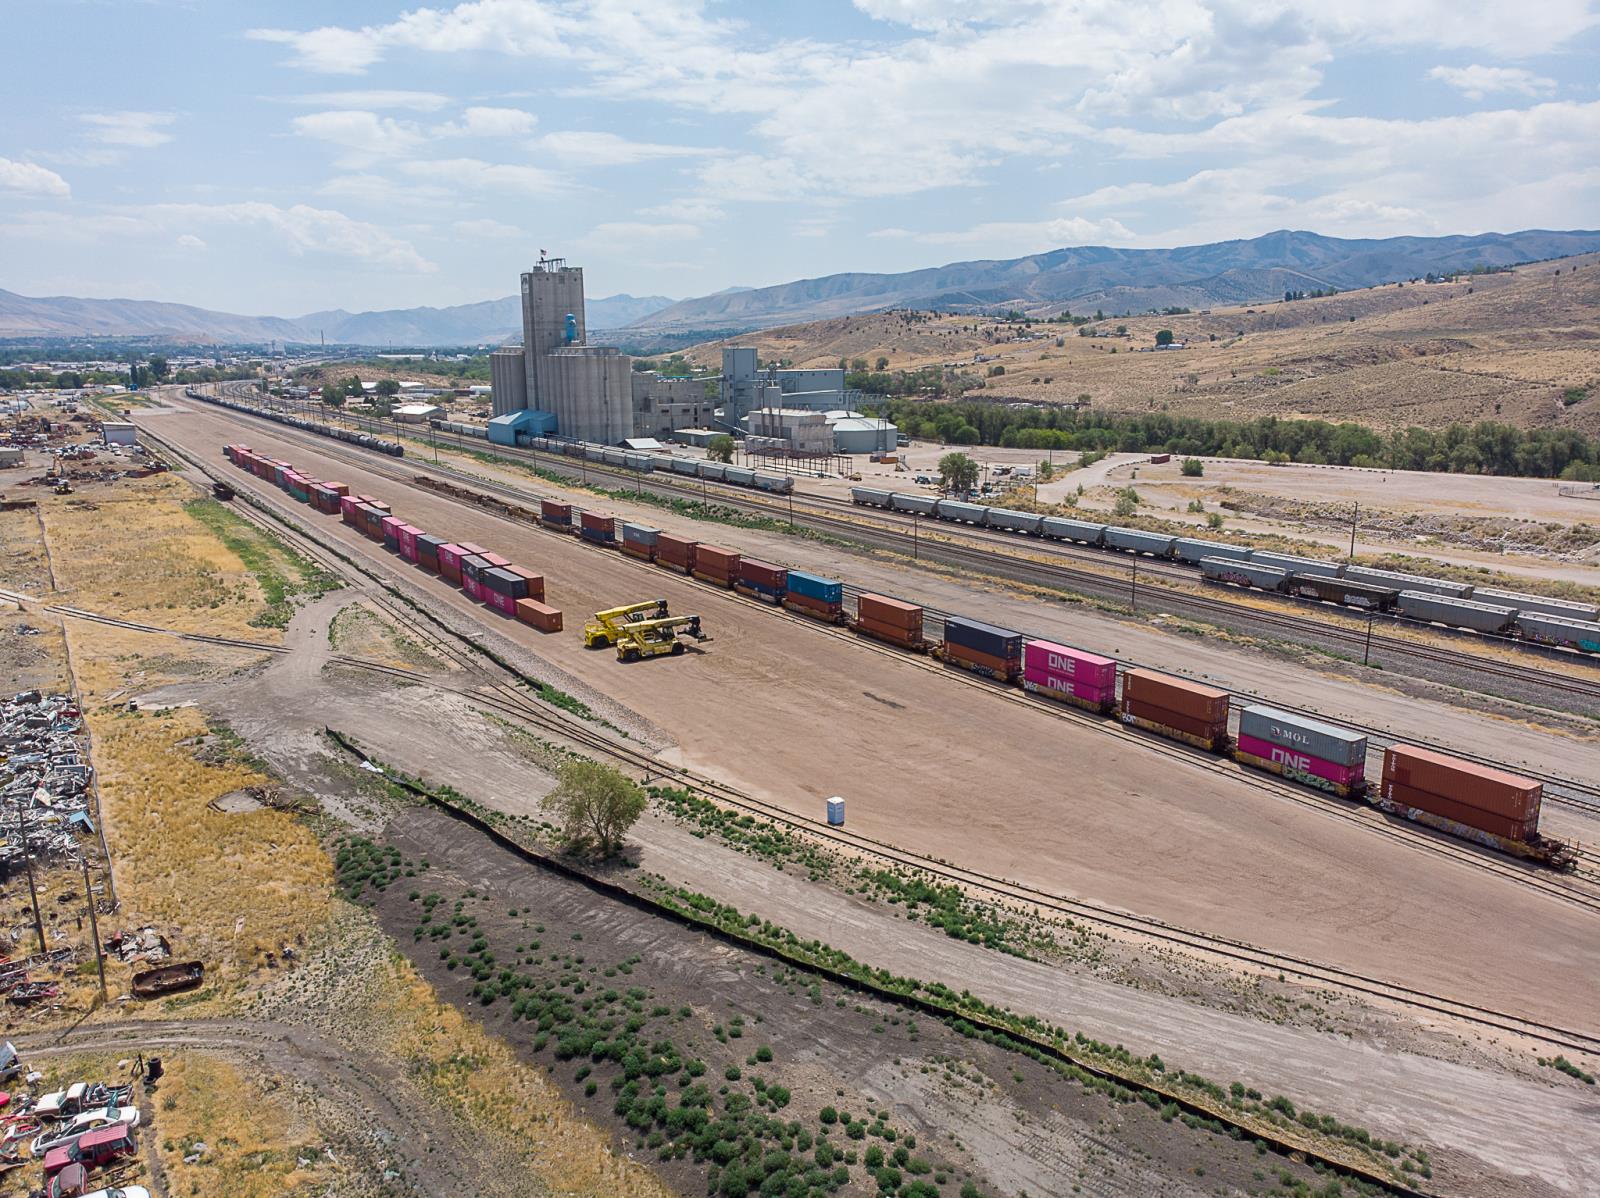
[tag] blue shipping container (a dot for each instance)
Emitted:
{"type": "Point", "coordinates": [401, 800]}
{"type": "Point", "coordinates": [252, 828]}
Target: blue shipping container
{"type": "Point", "coordinates": [814, 586]}
{"type": "Point", "coordinates": [985, 638]}
{"type": "Point", "coordinates": [598, 536]}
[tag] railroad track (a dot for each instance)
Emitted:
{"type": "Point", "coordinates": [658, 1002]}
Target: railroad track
{"type": "Point", "coordinates": [978, 547]}
{"type": "Point", "coordinates": [1574, 793]}
{"type": "Point", "coordinates": [511, 700]}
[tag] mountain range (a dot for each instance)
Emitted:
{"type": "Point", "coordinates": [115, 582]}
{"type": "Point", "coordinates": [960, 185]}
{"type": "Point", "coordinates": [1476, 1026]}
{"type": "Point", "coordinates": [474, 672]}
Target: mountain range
{"type": "Point", "coordinates": [487, 323]}
{"type": "Point", "coordinates": [1123, 281]}
{"type": "Point", "coordinates": [1082, 278]}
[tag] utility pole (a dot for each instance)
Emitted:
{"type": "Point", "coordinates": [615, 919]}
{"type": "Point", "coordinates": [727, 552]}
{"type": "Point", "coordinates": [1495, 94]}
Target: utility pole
{"type": "Point", "coordinates": [1366, 651]}
{"type": "Point", "coordinates": [916, 521]}
{"type": "Point", "coordinates": [33, 895]}
{"type": "Point", "coordinates": [1133, 585]}
{"type": "Point", "coordinates": [94, 927]}
{"type": "Point", "coordinates": [1355, 517]}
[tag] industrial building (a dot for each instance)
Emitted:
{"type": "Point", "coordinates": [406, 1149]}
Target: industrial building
{"type": "Point", "coordinates": [803, 431]}
{"type": "Point", "coordinates": [664, 404]}
{"type": "Point", "coordinates": [747, 386]}
{"type": "Point", "coordinates": [585, 389]}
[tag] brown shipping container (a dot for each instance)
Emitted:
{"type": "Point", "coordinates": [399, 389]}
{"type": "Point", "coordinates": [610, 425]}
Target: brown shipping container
{"type": "Point", "coordinates": [976, 659]}
{"type": "Point", "coordinates": [676, 551]}
{"type": "Point", "coordinates": [710, 559]}
{"type": "Point", "coordinates": [889, 632]}
{"type": "Point", "coordinates": [1205, 729]}
{"type": "Point", "coordinates": [817, 606]}
{"type": "Point", "coordinates": [453, 573]}
{"type": "Point", "coordinates": [1486, 821]}
{"type": "Point", "coordinates": [642, 552]}
{"type": "Point", "coordinates": [763, 573]}
{"type": "Point", "coordinates": [1203, 703]}
{"type": "Point", "coordinates": [1477, 786]}
{"type": "Point", "coordinates": [545, 619]}
{"type": "Point", "coordinates": [892, 612]}
{"type": "Point", "coordinates": [535, 581]}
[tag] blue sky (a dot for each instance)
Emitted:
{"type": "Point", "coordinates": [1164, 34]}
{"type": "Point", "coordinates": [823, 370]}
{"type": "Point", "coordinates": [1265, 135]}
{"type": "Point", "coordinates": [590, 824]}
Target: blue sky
{"type": "Point", "coordinates": [258, 158]}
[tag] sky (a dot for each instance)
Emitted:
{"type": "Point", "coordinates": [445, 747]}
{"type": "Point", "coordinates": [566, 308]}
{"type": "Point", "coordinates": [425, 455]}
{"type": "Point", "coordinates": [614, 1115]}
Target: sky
{"type": "Point", "coordinates": [255, 158]}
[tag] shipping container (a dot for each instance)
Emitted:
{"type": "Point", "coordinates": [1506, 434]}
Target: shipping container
{"type": "Point", "coordinates": [1061, 672]}
{"type": "Point", "coordinates": [814, 586]}
{"type": "Point", "coordinates": [390, 526]}
{"type": "Point", "coordinates": [1303, 734]}
{"type": "Point", "coordinates": [408, 541]}
{"type": "Point", "coordinates": [1343, 780]}
{"type": "Point", "coordinates": [472, 570]}
{"type": "Point", "coordinates": [1456, 613]}
{"type": "Point", "coordinates": [1410, 799]}
{"type": "Point", "coordinates": [1290, 564]}
{"type": "Point", "coordinates": [1004, 669]}
{"type": "Point", "coordinates": [1188, 549]}
{"type": "Point", "coordinates": [599, 528]}
{"type": "Point", "coordinates": [1193, 699]}
{"type": "Point", "coordinates": [1350, 592]}
{"type": "Point", "coordinates": [499, 600]}
{"type": "Point", "coordinates": [714, 564]}
{"type": "Point", "coordinates": [340, 489]}
{"type": "Point", "coordinates": [640, 534]}
{"type": "Point", "coordinates": [469, 549]}
{"type": "Point", "coordinates": [1028, 522]}
{"type": "Point", "coordinates": [868, 497]}
{"type": "Point", "coordinates": [922, 505]}
{"type": "Point", "coordinates": [347, 508]}
{"type": "Point", "coordinates": [1480, 786]}
{"type": "Point", "coordinates": [1158, 544]}
{"type": "Point", "coordinates": [1553, 630]}
{"type": "Point", "coordinates": [892, 612]}
{"type": "Point", "coordinates": [762, 579]}
{"type": "Point", "coordinates": [895, 634]}
{"type": "Point", "coordinates": [535, 582]}
{"type": "Point", "coordinates": [821, 609]}
{"type": "Point", "coordinates": [1242, 573]}
{"type": "Point", "coordinates": [1000, 643]}
{"type": "Point", "coordinates": [1175, 725]}
{"type": "Point", "coordinates": [676, 552]}
{"type": "Point", "coordinates": [450, 556]}
{"type": "Point", "coordinates": [962, 513]}
{"type": "Point", "coordinates": [428, 550]}
{"type": "Point", "coordinates": [1535, 604]}
{"type": "Point", "coordinates": [1409, 582]}
{"type": "Point", "coordinates": [557, 515]}
{"type": "Point", "coordinates": [1072, 530]}
{"type": "Point", "coordinates": [542, 617]}
{"type": "Point", "coordinates": [380, 505]}
{"type": "Point", "coordinates": [503, 582]}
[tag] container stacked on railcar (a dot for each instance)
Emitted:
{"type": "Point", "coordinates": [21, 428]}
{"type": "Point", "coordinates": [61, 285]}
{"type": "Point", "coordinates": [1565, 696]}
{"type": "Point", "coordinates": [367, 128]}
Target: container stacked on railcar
{"type": "Point", "coordinates": [676, 553]}
{"type": "Point", "coordinates": [599, 528]}
{"type": "Point", "coordinates": [714, 564]}
{"type": "Point", "coordinates": [982, 648]}
{"type": "Point", "coordinates": [1176, 708]}
{"type": "Point", "coordinates": [1303, 750]}
{"type": "Point", "coordinates": [639, 540]}
{"type": "Point", "coordinates": [1467, 800]}
{"type": "Point", "coordinates": [556, 515]}
{"type": "Point", "coordinates": [761, 580]}
{"type": "Point", "coordinates": [1060, 672]}
{"type": "Point", "coordinates": [890, 620]}
{"type": "Point", "coordinates": [815, 596]}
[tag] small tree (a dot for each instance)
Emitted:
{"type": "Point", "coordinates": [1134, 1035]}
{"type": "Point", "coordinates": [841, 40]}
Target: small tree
{"type": "Point", "coordinates": [333, 395]}
{"type": "Point", "coordinates": [387, 388]}
{"type": "Point", "coordinates": [883, 363]}
{"type": "Point", "coordinates": [1164, 337]}
{"type": "Point", "coordinates": [1046, 472]}
{"type": "Point", "coordinates": [158, 368]}
{"type": "Point", "coordinates": [720, 448]}
{"type": "Point", "coordinates": [596, 805]}
{"type": "Point", "coordinates": [1127, 502]}
{"type": "Point", "coordinates": [958, 472]}
{"type": "Point", "coordinates": [1193, 468]}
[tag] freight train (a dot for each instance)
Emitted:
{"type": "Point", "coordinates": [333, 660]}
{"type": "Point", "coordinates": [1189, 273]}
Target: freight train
{"type": "Point", "coordinates": [352, 436]}
{"type": "Point", "coordinates": [644, 463]}
{"type": "Point", "coordinates": [1534, 618]}
{"type": "Point", "coordinates": [1453, 795]}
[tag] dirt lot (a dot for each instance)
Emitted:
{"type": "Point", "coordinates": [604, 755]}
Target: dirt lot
{"type": "Point", "coordinates": [928, 766]}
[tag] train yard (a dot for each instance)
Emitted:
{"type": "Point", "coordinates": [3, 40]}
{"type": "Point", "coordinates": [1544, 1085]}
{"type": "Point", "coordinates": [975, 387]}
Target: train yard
{"type": "Point", "coordinates": [1506, 666]}
{"type": "Point", "coordinates": [1215, 794]}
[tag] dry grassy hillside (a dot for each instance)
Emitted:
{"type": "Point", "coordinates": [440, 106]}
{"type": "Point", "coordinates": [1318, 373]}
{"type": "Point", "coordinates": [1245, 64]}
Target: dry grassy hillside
{"type": "Point", "coordinates": [1515, 347]}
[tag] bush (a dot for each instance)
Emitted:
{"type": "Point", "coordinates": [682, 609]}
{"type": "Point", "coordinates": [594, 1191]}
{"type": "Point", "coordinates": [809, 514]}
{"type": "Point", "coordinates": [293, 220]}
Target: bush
{"type": "Point", "coordinates": [1193, 467]}
{"type": "Point", "coordinates": [1127, 502]}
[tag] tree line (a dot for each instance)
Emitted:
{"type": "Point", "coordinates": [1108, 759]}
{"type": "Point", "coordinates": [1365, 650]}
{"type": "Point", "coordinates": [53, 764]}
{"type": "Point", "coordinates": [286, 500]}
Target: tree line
{"type": "Point", "coordinates": [1484, 448]}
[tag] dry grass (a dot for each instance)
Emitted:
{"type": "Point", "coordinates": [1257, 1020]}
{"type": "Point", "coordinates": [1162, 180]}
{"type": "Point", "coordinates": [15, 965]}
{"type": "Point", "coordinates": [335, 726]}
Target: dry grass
{"type": "Point", "coordinates": [361, 632]}
{"type": "Point", "coordinates": [253, 1142]}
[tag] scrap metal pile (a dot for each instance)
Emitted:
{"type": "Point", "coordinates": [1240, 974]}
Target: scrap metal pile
{"type": "Point", "coordinates": [45, 778]}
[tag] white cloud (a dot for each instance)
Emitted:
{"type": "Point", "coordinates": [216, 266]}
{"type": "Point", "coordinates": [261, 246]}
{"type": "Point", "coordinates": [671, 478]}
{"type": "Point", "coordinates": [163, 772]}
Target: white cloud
{"type": "Point", "coordinates": [1024, 237]}
{"type": "Point", "coordinates": [376, 98]}
{"type": "Point", "coordinates": [612, 235]}
{"type": "Point", "coordinates": [474, 172]}
{"type": "Point", "coordinates": [138, 130]}
{"type": "Point", "coordinates": [490, 122]}
{"type": "Point", "coordinates": [518, 27]}
{"type": "Point", "coordinates": [1475, 82]}
{"type": "Point", "coordinates": [608, 149]}
{"type": "Point", "coordinates": [303, 230]}
{"type": "Point", "coordinates": [32, 179]}
{"type": "Point", "coordinates": [487, 230]}
{"type": "Point", "coordinates": [695, 210]}
{"type": "Point", "coordinates": [189, 241]}
{"type": "Point", "coordinates": [366, 135]}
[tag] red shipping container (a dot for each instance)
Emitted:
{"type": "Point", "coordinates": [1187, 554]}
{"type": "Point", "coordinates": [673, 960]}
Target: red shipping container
{"type": "Point", "coordinates": [1205, 704]}
{"type": "Point", "coordinates": [1461, 813]}
{"type": "Point", "coordinates": [818, 607]}
{"type": "Point", "coordinates": [495, 560]}
{"type": "Point", "coordinates": [535, 581]}
{"type": "Point", "coordinates": [598, 521]}
{"type": "Point", "coordinates": [1496, 791]}
{"type": "Point", "coordinates": [892, 612]}
{"type": "Point", "coordinates": [890, 632]}
{"type": "Point", "coordinates": [380, 505]}
{"type": "Point", "coordinates": [678, 552]}
{"type": "Point", "coordinates": [338, 488]}
{"type": "Point", "coordinates": [555, 513]}
{"type": "Point", "coordinates": [645, 553]}
{"type": "Point", "coordinates": [986, 663]}
{"type": "Point", "coordinates": [715, 558]}
{"type": "Point", "coordinates": [347, 508]}
{"type": "Point", "coordinates": [763, 574]}
{"type": "Point", "coordinates": [532, 611]}
{"type": "Point", "coordinates": [468, 549]}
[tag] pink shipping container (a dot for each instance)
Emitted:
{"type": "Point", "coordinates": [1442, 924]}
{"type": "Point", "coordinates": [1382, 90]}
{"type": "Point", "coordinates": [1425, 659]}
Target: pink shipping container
{"type": "Point", "coordinates": [505, 603]}
{"type": "Point", "coordinates": [347, 508]}
{"type": "Point", "coordinates": [474, 588]}
{"type": "Point", "coordinates": [1071, 671]}
{"type": "Point", "coordinates": [390, 526]}
{"type": "Point", "coordinates": [408, 542]}
{"type": "Point", "coordinates": [1328, 771]}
